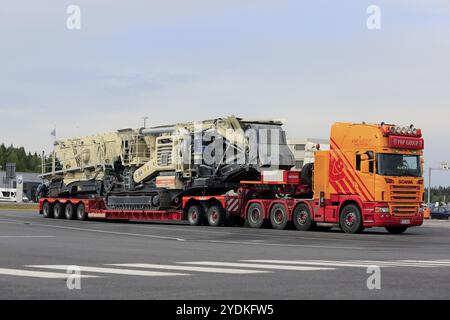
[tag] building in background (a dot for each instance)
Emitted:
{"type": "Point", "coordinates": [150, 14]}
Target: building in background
{"type": "Point", "coordinates": [304, 149]}
{"type": "Point", "coordinates": [30, 183]}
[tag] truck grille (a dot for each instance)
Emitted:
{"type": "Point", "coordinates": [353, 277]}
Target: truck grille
{"type": "Point", "coordinates": [399, 210]}
{"type": "Point", "coordinates": [405, 193]}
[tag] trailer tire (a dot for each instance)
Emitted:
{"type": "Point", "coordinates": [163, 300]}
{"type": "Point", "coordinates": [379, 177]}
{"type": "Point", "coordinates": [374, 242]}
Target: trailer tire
{"type": "Point", "coordinates": [396, 230]}
{"type": "Point", "coordinates": [278, 216]}
{"type": "Point", "coordinates": [255, 216]}
{"type": "Point", "coordinates": [195, 215]}
{"type": "Point", "coordinates": [69, 211]}
{"type": "Point", "coordinates": [47, 211]}
{"type": "Point", "coordinates": [215, 216]}
{"type": "Point", "coordinates": [351, 219]}
{"type": "Point", "coordinates": [58, 210]}
{"type": "Point", "coordinates": [81, 212]}
{"type": "Point", "coordinates": [302, 217]}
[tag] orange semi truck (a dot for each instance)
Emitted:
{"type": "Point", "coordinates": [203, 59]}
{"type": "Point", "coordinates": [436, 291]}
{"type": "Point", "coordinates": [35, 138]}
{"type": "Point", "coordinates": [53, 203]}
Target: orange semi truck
{"type": "Point", "coordinates": [372, 176]}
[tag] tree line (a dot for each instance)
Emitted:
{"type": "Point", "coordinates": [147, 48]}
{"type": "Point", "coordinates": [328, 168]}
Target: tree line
{"type": "Point", "coordinates": [438, 194]}
{"type": "Point", "coordinates": [25, 162]}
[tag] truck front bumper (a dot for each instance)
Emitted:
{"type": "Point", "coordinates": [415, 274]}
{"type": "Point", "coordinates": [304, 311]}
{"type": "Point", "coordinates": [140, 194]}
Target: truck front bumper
{"type": "Point", "coordinates": [372, 218]}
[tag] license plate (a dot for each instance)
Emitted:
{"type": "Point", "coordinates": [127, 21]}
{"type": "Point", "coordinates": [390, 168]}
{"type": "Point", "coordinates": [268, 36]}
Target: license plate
{"type": "Point", "coordinates": [405, 222]}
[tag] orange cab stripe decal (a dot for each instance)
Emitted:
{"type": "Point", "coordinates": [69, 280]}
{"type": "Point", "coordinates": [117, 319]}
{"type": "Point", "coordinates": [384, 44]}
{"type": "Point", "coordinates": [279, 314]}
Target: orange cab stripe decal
{"type": "Point", "coordinates": [352, 172]}
{"type": "Point", "coordinates": [346, 174]}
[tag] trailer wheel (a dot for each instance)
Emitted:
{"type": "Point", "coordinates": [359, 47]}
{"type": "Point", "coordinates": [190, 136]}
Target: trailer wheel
{"type": "Point", "coordinates": [69, 212]}
{"type": "Point", "coordinates": [396, 230]}
{"type": "Point", "coordinates": [302, 217]}
{"type": "Point", "coordinates": [195, 215]}
{"type": "Point", "coordinates": [215, 215]}
{"type": "Point", "coordinates": [58, 210]}
{"type": "Point", "coordinates": [351, 219]}
{"type": "Point", "coordinates": [278, 216]}
{"type": "Point", "coordinates": [47, 210]}
{"type": "Point", "coordinates": [81, 212]}
{"type": "Point", "coordinates": [255, 215]}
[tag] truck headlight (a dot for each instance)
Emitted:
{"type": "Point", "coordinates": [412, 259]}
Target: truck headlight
{"type": "Point", "coordinates": [382, 209]}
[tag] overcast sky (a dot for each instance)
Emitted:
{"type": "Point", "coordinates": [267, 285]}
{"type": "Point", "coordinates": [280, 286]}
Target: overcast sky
{"type": "Point", "coordinates": [311, 63]}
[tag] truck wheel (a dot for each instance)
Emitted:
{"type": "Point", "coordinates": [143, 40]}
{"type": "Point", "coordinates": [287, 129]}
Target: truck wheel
{"type": "Point", "coordinates": [195, 215]}
{"type": "Point", "coordinates": [396, 230]}
{"type": "Point", "coordinates": [81, 212]}
{"type": "Point", "coordinates": [302, 217]}
{"type": "Point", "coordinates": [215, 215]}
{"type": "Point", "coordinates": [69, 212]}
{"type": "Point", "coordinates": [255, 215]}
{"type": "Point", "coordinates": [351, 219]}
{"type": "Point", "coordinates": [58, 210]}
{"type": "Point", "coordinates": [278, 216]}
{"type": "Point", "coordinates": [47, 210]}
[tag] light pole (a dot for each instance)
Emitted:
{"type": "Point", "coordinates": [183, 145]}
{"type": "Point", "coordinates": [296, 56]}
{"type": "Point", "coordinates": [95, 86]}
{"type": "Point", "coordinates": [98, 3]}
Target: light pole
{"type": "Point", "coordinates": [443, 167]}
{"type": "Point", "coordinates": [145, 118]}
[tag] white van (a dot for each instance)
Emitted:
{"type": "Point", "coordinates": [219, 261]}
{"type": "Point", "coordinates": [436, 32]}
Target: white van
{"type": "Point", "coordinates": [7, 195]}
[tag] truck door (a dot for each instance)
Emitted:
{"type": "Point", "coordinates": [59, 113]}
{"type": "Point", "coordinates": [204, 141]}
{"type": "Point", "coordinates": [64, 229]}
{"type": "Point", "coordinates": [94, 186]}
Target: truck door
{"type": "Point", "coordinates": [365, 169]}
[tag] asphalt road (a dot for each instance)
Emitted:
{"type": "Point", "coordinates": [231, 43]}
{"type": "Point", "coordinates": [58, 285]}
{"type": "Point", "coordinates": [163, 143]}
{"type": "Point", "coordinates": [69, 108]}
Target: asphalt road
{"type": "Point", "coordinates": [173, 261]}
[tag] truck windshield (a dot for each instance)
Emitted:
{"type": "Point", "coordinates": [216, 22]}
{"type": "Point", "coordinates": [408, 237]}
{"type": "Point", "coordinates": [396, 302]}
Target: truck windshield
{"type": "Point", "coordinates": [399, 165]}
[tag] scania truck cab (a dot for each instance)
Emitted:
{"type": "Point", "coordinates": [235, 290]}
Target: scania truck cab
{"type": "Point", "coordinates": [371, 177]}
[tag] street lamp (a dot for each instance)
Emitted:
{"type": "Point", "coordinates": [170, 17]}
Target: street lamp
{"type": "Point", "coordinates": [442, 167]}
{"type": "Point", "coordinates": [145, 118]}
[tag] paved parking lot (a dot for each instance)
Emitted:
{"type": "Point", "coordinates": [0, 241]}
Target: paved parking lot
{"type": "Point", "coordinates": [175, 261]}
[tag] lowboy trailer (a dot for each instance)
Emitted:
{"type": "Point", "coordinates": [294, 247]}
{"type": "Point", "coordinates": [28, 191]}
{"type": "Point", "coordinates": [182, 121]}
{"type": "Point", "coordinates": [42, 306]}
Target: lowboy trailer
{"type": "Point", "coordinates": [372, 176]}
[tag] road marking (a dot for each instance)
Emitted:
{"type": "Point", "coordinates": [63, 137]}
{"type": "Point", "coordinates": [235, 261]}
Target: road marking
{"type": "Point", "coordinates": [38, 274]}
{"type": "Point", "coordinates": [189, 268]}
{"type": "Point", "coordinates": [27, 236]}
{"type": "Point", "coordinates": [391, 263]}
{"type": "Point", "coordinates": [127, 272]}
{"type": "Point", "coordinates": [256, 266]}
{"type": "Point", "coordinates": [313, 263]}
{"type": "Point", "coordinates": [283, 245]}
{"type": "Point", "coordinates": [110, 232]}
{"type": "Point", "coordinates": [436, 263]}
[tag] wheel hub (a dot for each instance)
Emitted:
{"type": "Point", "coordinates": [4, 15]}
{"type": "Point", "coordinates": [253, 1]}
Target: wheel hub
{"type": "Point", "coordinates": [350, 219]}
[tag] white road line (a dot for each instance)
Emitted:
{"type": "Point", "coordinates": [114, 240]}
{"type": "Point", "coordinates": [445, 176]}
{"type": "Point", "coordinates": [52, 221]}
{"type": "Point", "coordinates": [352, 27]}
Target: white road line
{"type": "Point", "coordinates": [109, 232]}
{"type": "Point", "coordinates": [189, 268]}
{"type": "Point", "coordinates": [436, 263]}
{"type": "Point", "coordinates": [282, 245]}
{"type": "Point", "coordinates": [312, 263]}
{"type": "Point", "coordinates": [27, 236]}
{"type": "Point", "coordinates": [38, 274]}
{"type": "Point", "coordinates": [256, 266]}
{"type": "Point", "coordinates": [392, 263]}
{"type": "Point", "coordinates": [127, 272]}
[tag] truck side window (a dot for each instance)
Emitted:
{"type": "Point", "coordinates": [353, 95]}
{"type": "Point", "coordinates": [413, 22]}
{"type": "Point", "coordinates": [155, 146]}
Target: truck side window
{"type": "Point", "coordinates": [371, 156]}
{"type": "Point", "coordinates": [372, 162]}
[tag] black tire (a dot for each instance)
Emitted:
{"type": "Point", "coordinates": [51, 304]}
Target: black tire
{"type": "Point", "coordinates": [351, 220]}
{"type": "Point", "coordinates": [47, 210]}
{"type": "Point", "coordinates": [69, 211]}
{"type": "Point", "coordinates": [215, 216]}
{"type": "Point", "coordinates": [58, 210]}
{"type": "Point", "coordinates": [195, 215]}
{"type": "Point", "coordinates": [81, 212]}
{"type": "Point", "coordinates": [302, 217]}
{"type": "Point", "coordinates": [396, 230]}
{"type": "Point", "coordinates": [278, 216]}
{"type": "Point", "coordinates": [255, 216]}
{"type": "Point", "coordinates": [307, 174]}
